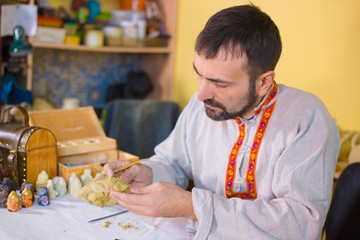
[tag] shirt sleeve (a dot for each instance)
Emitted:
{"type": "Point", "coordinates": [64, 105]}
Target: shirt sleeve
{"type": "Point", "coordinates": [301, 185]}
{"type": "Point", "coordinates": [171, 162]}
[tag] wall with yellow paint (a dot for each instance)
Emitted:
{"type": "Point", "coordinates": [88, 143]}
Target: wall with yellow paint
{"type": "Point", "coordinates": [321, 49]}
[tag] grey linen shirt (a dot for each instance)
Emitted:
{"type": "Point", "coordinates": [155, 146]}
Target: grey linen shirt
{"type": "Point", "coordinates": [294, 170]}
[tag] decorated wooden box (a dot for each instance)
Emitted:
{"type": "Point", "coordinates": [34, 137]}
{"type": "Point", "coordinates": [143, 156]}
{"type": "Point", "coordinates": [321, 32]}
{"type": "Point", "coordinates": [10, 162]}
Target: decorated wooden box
{"type": "Point", "coordinates": [81, 140]}
{"type": "Point", "coordinates": [25, 151]}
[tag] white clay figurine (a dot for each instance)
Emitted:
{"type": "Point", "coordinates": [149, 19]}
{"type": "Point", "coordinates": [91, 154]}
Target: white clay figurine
{"type": "Point", "coordinates": [86, 177]}
{"type": "Point", "coordinates": [74, 185]}
{"type": "Point", "coordinates": [51, 189]}
{"type": "Point", "coordinates": [60, 185]}
{"type": "Point", "coordinates": [42, 180]}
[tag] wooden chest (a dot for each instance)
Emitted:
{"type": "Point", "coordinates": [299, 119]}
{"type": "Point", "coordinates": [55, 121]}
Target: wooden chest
{"type": "Point", "coordinates": [26, 151]}
{"type": "Point", "coordinates": [81, 140]}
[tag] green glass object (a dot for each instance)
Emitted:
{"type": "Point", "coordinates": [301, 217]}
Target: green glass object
{"type": "Point", "coordinates": [20, 47]}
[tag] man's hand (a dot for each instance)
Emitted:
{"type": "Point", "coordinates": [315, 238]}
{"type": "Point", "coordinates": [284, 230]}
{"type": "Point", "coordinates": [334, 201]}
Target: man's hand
{"type": "Point", "coordinates": [137, 175]}
{"type": "Point", "coordinates": [160, 199]}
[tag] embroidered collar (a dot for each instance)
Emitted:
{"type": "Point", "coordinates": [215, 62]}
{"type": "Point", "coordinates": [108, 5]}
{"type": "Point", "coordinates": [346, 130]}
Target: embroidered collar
{"type": "Point", "coordinates": [268, 99]}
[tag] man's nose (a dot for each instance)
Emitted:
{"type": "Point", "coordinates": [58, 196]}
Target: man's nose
{"type": "Point", "coordinates": [205, 90]}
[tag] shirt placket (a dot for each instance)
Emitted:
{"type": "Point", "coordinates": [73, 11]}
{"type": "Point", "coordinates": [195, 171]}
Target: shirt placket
{"type": "Point", "coordinates": [243, 157]}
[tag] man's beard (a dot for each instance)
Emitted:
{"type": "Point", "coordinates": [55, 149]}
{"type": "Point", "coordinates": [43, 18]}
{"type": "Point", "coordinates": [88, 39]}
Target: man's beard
{"type": "Point", "coordinates": [250, 100]}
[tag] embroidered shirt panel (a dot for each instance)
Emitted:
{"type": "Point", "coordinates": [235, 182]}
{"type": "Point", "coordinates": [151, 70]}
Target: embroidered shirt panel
{"type": "Point", "coordinates": [250, 192]}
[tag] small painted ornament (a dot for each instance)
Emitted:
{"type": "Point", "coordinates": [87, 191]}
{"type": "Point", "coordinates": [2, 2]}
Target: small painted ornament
{"type": "Point", "coordinates": [26, 199]}
{"type": "Point", "coordinates": [29, 186]}
{"type": "Point", "coordinates": [3, 198]}
{"type": "Point", "coordinates": [7, 185]}
{"type": "Point", "coordinates": [13, 203]}
{"type": "Point", "coordinates": [43, 198]}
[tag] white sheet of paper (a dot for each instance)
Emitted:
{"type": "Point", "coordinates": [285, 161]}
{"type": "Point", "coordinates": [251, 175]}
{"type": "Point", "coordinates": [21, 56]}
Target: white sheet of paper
{"type": "Point", "coordinates": [24, 15]}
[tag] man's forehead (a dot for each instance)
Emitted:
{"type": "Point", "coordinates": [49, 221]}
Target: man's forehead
{"type": "Point", "coordinates": [226, 53]}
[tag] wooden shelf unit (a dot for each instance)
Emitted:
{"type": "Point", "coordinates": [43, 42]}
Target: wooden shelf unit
{"type": "Point", "coordinates": [135, 49]}
{"type": "Point", "coordinates": [158, 62]}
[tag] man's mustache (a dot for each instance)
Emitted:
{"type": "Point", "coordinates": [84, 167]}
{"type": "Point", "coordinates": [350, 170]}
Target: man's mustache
{"type": "Point", "coordinates": [214, 103]}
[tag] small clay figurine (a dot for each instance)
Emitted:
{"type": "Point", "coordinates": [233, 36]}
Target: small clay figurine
{"type": "Point", "coordinates": [29, 186]}
{"type": "Point", "coordinates": [7, 185]}
{"type": "Point", "coordinates": [86, 177]}
{"type": "Point", "coordinates": [74, 185]}
{"type": "Point", "coordinates": [13, 203]}
{"type": "Point", "coordinates": [43, 199]}
{"type": "Point", "coordinates": [3, 198]}
{"type": "Point", "coordinates": [99, 174]}
{"type": "Point", "coordinates": [41, 180]}
{"type": "Point", "coordinates": [26, 199]}
{"type": "Point", "coordinates": [51, 189]}
{"type": "Point", "coordinates": [60, 185]}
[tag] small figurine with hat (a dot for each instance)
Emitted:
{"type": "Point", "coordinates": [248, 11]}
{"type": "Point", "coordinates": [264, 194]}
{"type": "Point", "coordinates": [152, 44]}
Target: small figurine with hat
{"type": "Point", "coordinates": [43, 198]}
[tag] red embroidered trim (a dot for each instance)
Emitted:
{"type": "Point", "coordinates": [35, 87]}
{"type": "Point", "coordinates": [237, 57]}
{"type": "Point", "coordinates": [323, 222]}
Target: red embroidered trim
{"type": "Point", "coordinates": [250, 175]}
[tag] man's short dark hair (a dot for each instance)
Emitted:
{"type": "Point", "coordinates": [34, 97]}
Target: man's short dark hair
{"type": "Point", "coordinates": [238, 30]}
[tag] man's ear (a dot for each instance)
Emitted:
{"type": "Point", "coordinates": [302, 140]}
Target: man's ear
{"type": "Point", "coordinates": [264, 82]}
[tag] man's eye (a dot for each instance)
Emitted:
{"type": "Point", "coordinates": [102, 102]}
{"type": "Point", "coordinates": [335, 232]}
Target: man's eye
{"type": "Point", "coordinates": [219, 84]}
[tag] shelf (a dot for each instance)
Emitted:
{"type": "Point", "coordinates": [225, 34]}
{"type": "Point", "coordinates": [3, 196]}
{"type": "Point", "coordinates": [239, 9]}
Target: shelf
{"type": "Point", "coordinates": [139, 49]}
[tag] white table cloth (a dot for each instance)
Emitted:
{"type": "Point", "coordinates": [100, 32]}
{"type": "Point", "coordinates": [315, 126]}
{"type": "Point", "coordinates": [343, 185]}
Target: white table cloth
{"type": "Point", "coordinates": [67, 218]}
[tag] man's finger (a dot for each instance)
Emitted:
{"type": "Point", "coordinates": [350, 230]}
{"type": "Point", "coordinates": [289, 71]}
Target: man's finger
{"type": "Point", "coordinates": [111, 166]}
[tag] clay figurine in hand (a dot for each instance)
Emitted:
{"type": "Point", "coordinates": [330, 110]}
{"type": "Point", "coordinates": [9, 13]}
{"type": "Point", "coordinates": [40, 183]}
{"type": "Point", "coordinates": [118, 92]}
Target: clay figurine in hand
{"type": "Point", "coordinates": [7, 185]}
{"type": "Point", "coordinates": [96, 193]}
{"type": "Point", "coordinates": [60, 185]}
{"type": "Point", "coordinates": [74, 185]}
{"type": "Point", "coordinates": [43, 198]}
{"type": "Point", "coordinates": [117, 184]}
{"type": "Point", "coordinates": [13, 203]}
{"type": "Point", "coordinates": [3, 198]}
{"type": "Point", "coordinates": [41, 180]}
{"type": "Point", "coordinates": [51, 189]}
{"type": "Point", "coordinates": [30, 187]}
{"type": "Point", "coordinates": [26, 199]}
{"type": "Point", "coordinates": [86, 177]}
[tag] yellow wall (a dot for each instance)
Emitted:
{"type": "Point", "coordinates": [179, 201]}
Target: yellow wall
{"type": "Point", "coordinates": [321, 49]}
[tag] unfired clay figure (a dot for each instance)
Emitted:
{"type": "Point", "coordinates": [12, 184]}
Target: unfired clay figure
{"type": "Point", "coordinates": [74, 185]}
{"type": "Point", "coordinates": [86, 177]}
{"type": "Point", "coordinates": [99, 174]}
{"type": "Point", "coordinates": [51, 189]}
{"type": "Point", "coordinates": [60, 185]}
{"type": "Point", "coordinates": [96, 193]}
{"type": "Point", "coordinates": [41, 180]}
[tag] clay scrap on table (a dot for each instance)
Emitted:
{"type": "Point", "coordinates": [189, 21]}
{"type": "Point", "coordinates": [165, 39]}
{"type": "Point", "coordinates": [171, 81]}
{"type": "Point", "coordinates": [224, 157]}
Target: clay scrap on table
{"type": "Point", "coordinates": [96, 193]}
